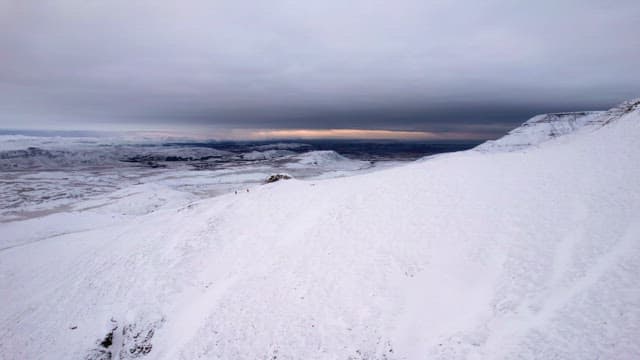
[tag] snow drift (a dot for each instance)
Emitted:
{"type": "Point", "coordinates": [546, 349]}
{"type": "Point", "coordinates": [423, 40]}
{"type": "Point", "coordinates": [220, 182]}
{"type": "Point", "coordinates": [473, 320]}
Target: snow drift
{"type": "Point", "coordinates": [475, 255]}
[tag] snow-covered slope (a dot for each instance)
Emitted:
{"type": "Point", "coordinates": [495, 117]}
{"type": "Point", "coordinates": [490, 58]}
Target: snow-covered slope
{"type": "Point", "coordinates": [542, 128]}
{"type": "Point", "coordinates": [475, 255]}
{"type": "Point", "coordinates": [31, 158]}
{"type": "Point", "coordinates": [266, 155]}
{"type": "Point", "coordinates": [326, 159]}
{"type": "Point", "coordinates": [41, 175]}
{"type": "Point", "coordinates": [539, 129]}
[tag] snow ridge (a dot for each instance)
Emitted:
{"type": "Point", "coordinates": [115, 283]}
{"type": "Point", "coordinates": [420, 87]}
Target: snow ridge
{"type": "Point", "coordinates": [545, 127]}
{"type": "Point", "coordinates": [326, 159]}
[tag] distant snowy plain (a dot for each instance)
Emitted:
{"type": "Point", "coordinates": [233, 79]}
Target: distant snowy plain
{"type": "Point", "coordinates": [43, 175]}
{"type": "Point", "coordinates": [524, 248]}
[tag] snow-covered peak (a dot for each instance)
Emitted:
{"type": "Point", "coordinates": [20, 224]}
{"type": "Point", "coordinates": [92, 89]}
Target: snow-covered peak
{"type": "Point", "coordinates": [320, 157]}
{"type": "Point", "coordinates": [544, 127]}
{"type": "Point", "coordinates": [326, 159]}
{"type": "Point", "coordinates": [620, 110]}
{"type": "Point", "coordinates": [539, 129]}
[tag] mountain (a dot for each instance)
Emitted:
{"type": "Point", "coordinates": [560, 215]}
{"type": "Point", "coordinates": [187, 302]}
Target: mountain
{"type": "Point", "coordinates": [326, 159]}
{"type": "Point", "coordinates": [542, 128]}
{"type": "Point", "coordinates": [474, 255]}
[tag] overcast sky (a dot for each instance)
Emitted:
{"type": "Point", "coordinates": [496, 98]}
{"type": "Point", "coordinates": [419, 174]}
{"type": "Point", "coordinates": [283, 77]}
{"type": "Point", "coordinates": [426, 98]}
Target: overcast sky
{"type": "Point", "coordinates": [450, 68]}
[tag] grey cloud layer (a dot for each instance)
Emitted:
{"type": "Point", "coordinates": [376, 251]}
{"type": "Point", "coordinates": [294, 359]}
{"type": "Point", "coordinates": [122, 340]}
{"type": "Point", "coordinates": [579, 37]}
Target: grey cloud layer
{"type": "Point", "coordinates": [422, 65]}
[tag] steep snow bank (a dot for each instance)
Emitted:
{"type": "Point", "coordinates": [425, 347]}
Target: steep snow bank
{"type": "Point", "coordinates": [505, 255]}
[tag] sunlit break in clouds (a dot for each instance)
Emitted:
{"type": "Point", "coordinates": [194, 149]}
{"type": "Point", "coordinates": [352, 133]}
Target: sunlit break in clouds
{"type": "Point", "coordinates": [355, 134]}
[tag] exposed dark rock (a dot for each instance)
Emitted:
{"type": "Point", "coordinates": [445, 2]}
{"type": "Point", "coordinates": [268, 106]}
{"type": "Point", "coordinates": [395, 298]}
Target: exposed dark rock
{"type": "Point", "coordinates": [103, 351]}
{"type": "Point", "coordinates": [134, 340]}
{"type": "Point", "coordinates": [277, 177]}
{"type": "Point", "coordinates": [108, 340]}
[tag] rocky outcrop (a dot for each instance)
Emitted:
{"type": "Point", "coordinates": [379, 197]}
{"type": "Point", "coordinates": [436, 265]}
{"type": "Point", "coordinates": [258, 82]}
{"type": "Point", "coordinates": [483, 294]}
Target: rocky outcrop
{"type": "Point", "coordinates": [133, 341]}
{"type": "Point", "coordinates": [277, 177]}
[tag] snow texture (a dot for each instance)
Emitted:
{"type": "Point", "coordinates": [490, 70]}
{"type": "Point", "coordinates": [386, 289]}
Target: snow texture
{"type": "Point", "coordinates": [528, 254]}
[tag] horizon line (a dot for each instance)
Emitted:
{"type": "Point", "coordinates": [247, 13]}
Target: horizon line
{"type": "Point", "coordinates": [258, 134]}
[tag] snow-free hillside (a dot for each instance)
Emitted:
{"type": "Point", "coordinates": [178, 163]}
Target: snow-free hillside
{"type": "Point", "coordinates": [473, 255]}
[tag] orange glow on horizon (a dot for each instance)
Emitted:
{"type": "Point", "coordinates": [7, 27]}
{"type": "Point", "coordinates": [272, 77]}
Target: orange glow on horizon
{"type": "Point", "coordinates": [350, 134]}
{"type": "Point", "coordinates": [284, 134]}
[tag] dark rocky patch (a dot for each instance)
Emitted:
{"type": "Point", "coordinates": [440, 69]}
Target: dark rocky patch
{"type": "Point", "coordinates": [277, 177]}
{"type": "Point", "coordinates": [134, 340]}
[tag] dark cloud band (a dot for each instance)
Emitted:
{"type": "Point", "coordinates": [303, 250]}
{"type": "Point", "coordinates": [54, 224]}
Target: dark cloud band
{"type": "Point", "coordinates": [459, 67]}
